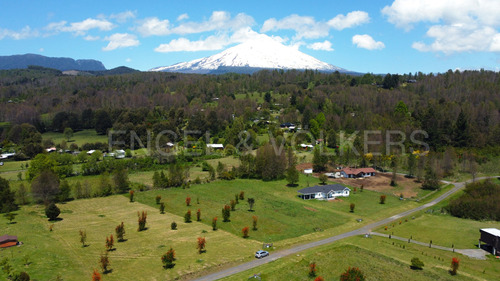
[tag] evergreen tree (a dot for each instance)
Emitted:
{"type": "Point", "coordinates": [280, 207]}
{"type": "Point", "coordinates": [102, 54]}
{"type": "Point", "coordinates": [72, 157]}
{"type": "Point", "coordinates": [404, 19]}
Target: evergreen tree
{"type": "Point", "coordinates": [7, 203]}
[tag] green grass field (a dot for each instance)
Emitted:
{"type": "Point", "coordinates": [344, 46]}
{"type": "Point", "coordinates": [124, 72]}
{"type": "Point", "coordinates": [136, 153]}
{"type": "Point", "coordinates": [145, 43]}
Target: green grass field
{"type": "Point", "coordinates": [60, 252]}
{"type": "Point", "coordinates": [80, 138]}
{"type": "Point", "coordinates": [378, 259]}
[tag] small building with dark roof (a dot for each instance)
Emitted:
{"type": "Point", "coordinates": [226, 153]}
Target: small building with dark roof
{"type": "Point", "coordinates": [8, 241]}
{"type": "Point", "coordinates": [490, 236]}
{"type": "Point", "coordinates": [324, 192]}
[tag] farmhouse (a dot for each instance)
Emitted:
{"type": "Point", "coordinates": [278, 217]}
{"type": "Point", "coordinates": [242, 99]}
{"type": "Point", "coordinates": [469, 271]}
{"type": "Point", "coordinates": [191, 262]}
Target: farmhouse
{"type": "Point", "coordinates": [8, 241]}
{"type": "Point", "coordinates": [324, 192]}
{"type": "Point", "coordinates": [490, 236]}
{"type": "Point", "coordinates": [357, 173]}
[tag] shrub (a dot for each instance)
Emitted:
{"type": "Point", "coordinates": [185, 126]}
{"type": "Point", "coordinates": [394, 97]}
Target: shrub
{"type": "Point", "coordinates": [158, 199]}
{"type": "Point", "coordinates": [198, 215]}
{"type": "Point", "coordinates": [187, 217]}
{"type": "Point", "coordinates": [352, 274]}
{"type": "Point", "coordinates": [168, 258]}
{"type": "Point", "coordinates": [245, 231]}
{"type": "Point", "coordinates": [142, 220]}
{"type": "Point", "coordinates": [162, 208]}
{"type": "Point", "coordinates": [188, 201]}
{"type": "Point", "coordinates": [242, 195]}
{"type": "Point", "coordinates": [236, 199]}
{"type": "Point", "coordinates": [251, 202]}
{"type": "Point", "coordinates": [83, 237]}
{"type": "Point", "coordinates": [201, 245]}
{"type": "Point", "coordinates": [416, 263]}
{"type": "Point", "coordinates": [233, 205]}
{"type": "Point", "coordinates": [382, 199]}
{"type": "Point", "coordinates": [120, 232]}
{"type": "Point", "coordinates": [351, 207]}
{"type": "Point", "coordinates": [312, 269]}
{"type": "Point", "coordinates": [214, 224]}
{"type": "Point", "coordinates": [226, 213]}
{"type": "Point", "coordinates": [21, 276]}
{"type": "Point", "coordinates": [131, 193]}
{"type": "Point", "coordinates": [52, 211]}
{"type": "Point", "coordinates": [319, 278]}
{"type": "Point", "coordinates": [254, 222]}
{"type": "Point", "coordinates": [173, 225]}
{"type": "Point", "coordinates": [110, 242]}
{"type": "Point", "coordinates": [455, 262]}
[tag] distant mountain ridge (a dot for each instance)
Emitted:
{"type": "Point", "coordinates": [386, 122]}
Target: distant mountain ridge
{"type": "Point", "coordinates": [261, 52]}
{"type": "Point", "coordinates": [63, 64]}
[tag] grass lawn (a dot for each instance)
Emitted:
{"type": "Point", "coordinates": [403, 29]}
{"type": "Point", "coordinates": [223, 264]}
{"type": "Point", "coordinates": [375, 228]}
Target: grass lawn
{"type": "Point", "coordinates": [281, 214]}
{"type": "Point", "coordinates": [60, 252]}
{"type": "Point", "coordinates": [378, 259]}
{"type": "Point", "coordinates": [80, 138]}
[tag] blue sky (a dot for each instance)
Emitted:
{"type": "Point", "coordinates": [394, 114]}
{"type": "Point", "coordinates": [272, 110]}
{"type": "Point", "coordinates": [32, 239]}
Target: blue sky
{"type": "Point", "coordinates": [397, 36]}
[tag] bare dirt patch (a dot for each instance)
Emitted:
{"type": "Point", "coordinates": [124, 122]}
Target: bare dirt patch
{"type": "Point", "coordinates": [381, 182]}
{"type": "Point", "coordinates": [310, 209]}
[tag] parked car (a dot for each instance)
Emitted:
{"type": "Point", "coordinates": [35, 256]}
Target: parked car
{"type": "Point", "coordinates": [261, 254]}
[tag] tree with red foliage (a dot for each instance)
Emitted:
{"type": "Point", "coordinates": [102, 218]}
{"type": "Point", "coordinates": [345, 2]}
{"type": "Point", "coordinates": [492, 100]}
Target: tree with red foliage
{"type": "Point", "coordinates": [382, 199]}
{"type": "Point", "coordinates": [104, 262]}
{"type": "Point", "coordinates": [245, 231]}
{"type": "Point", "coordinates": [188, 201]}
{"type": "Point", "coordinates": [351, 207]}
{"type": "Point", "coordinates": [352, 274]}
{"type": "Point", "coordinates": [214, 224]}
{"type": "Point", "coordinates": [110, 242]}
{"type": "Point", "coordinates": [455, 262]}
{"type": "Point", "coordinates": [96, 276]}
{"type": "Point", "coordinates": [319, 278]}
{"type": "Point", "coordinates": [131, 193]}
{"type": "Point", "coordinates": [168, 258]}
{"type": "Point", "coordinates": [120, 232]}
{"type": "Point", "coordinates": [226, 213]}
{"type": "Point", "coordinates": [312, 269]}
{"type": "Point", "coordinates": [201, 245]}
{"type": "Point", "coordinates": [187, 217]}
{"type": "Point", "coordinates": [142, 220]}
{"type": "Point", "coordinates": [198, 215]}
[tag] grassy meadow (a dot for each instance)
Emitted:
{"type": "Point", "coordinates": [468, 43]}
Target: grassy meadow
{"type": "Point", "coordinates": [80, 137]}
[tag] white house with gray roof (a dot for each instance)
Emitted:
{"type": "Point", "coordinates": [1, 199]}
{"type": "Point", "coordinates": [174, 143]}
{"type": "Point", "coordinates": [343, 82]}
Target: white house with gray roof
{"type": "Point", "coordinates": [324, 192]}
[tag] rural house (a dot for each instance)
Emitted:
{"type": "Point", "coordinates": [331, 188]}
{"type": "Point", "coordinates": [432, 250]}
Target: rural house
{"type": "Point", "coordinates": [324, 192]}
{"type": "Point", "coordinates": [357, 173]}
{"type": "Point", "coordinates": [490, 236]}
{"type": "Point", "coordinates": [8, 241]}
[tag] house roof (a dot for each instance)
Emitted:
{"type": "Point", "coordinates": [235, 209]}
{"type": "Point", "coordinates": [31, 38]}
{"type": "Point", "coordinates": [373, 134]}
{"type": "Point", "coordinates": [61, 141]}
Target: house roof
{"type": "Point", "coordinates": [8, 238]}
{"type": "Point", "coordinates": [215, 145]}
{"type": "Point", "coordinates": [492, 231]}
{"type": "Point", "coordinates": [356, 171]}
{"type": "Point", "coordinates": [322, 188]}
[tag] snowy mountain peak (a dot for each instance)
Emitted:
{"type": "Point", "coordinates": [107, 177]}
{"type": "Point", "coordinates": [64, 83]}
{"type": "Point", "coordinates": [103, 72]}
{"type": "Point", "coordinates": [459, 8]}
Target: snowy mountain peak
{"type": "Point", "coordinates": [261, 52]}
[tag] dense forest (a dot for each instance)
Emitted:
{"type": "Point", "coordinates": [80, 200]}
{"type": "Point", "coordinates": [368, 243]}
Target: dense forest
{"type": "Point", "coordinates": [458, 109]}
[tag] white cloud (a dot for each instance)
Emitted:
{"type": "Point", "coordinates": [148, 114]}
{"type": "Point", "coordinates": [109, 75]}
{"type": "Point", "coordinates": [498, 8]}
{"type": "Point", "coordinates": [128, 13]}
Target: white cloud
{"type": "Point", "coordinates": [120, 40]}
{"type": "Point", "coordinates": [91, 38]}
{"type": "Point", "coordinates": [128, 59]}
{"type": "Point", "coordinates": [24, 33]}
{"type": "Point", "coordinates": [352, 19]}
{"type": "Point", "coordinates": [365, 41]}
{"type": "Point", "coordinates": [308, 27]}
{"type": "Point", "coordinates": [458, 26]}
{"type": "Point", "coordinates": [154, 26]}
{"type": "Point", "coordinates": [211, 43]}
{"type": "Point", "coordinates": [124, 16]}
{"type": "Point", "coordinates": [321, 46]}
{"type": "Point", "coordinates": [219, 20]}
{"type": "Point", "coordinates": [182, 17]}
{"type": "Point", "coordinates": [80, 28]}
{"type": "Point", "coordinates": [182, 44]}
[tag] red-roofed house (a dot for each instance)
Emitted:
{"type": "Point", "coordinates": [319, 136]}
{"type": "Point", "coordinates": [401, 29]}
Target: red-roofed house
{"type": "Point", "coordinates": [8, 241]}
{"type": "Point", "coordinates": [357, 173]}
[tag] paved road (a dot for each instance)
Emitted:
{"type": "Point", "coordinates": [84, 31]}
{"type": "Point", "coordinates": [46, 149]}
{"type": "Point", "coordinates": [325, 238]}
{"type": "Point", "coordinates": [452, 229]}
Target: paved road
{"type": "Point", "coordinates": [360, 231]}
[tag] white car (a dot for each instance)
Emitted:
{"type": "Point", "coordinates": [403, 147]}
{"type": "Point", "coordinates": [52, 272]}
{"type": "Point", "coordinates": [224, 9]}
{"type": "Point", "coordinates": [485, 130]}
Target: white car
{"type": "Point", "coordinates": [260, 254]}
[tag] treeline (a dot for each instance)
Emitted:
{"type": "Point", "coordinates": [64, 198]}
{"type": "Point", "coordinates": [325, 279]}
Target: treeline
{"type": "Point", "coordinates": [459, 109]}
{"type": "Point", "coordinates": [479, 202]}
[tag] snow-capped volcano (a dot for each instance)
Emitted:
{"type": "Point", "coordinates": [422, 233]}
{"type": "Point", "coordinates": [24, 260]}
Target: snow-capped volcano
{"type": "Point", "coordinates": [261, 52]}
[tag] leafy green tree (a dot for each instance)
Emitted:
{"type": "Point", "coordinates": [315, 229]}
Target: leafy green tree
{"type": "Point", "coordinates": [64, 191]}
{"type": "Point", "coordinates": [45, 187]}
{"type": "Point", "coordinates": [323, 179]}
{"type": "Point", "coordinates": [68, 133]}
{"type": "Point", "coordinates": [83, 237]}
{"type": "Point", "coordinates": [102, 122]}
{"type": "Point", "coordinates": [226, 213]}
{"type": "Point", "coordinates": [7, 197]}
{"type": "Point", "coordinates": [431, 180]}
{"type": "Point", "coordinates": [270, 165]}
{"type": "Point", "coordinates": [187, 217]}
{"type": "Point", "coordinates": [319, 160]}
{"type": "Point", "coordinates": [120, 180]}
{"type": "Point", "coordinates": [52, 211]}
{"type": "Point", "coordinates": [412, 162]}
{"type": "Point", "coordinates": [21, 195]}
{"type": "Point", "coordinates": [416, 263]}
{"type": "Point", "coordinates": [251, 202]}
